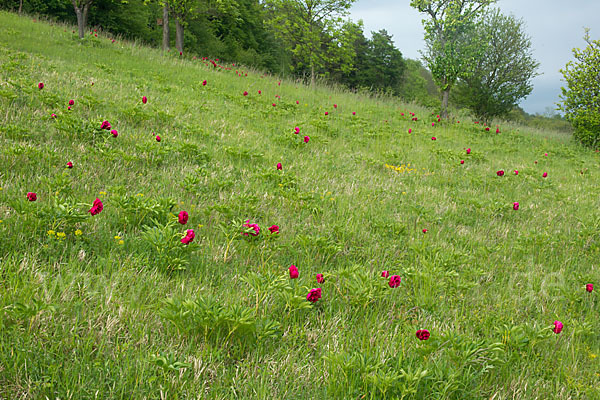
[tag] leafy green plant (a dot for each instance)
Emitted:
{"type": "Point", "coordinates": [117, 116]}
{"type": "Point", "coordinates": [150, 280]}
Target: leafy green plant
{"type": "Point", "coordinates": [209, 319]}
{"type": "Point", "coordinates": [580, 100]}
{"type": "Point", "coordinates": [164, 243]}
{"type": "Point", "coordinates": [140, 210]}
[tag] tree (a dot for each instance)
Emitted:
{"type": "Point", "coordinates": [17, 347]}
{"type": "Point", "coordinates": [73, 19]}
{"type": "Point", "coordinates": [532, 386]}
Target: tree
{"type": "Point", "coordinates": [501, 76]}
{"type": "Point", "coordinates": [81, 10]}
{"type": "Point", "coordinates": [309, 29]}
{"type": "Point", "coordinates": [166, 34]}
{"type": "Point", "coordinates": [581, 97]}
{"type": "Point", "coordinates": [385, 64]}
{"type": "Point", "coordinates": [181, 10]}
{"type": "Point", "coordinates": [448, 48]}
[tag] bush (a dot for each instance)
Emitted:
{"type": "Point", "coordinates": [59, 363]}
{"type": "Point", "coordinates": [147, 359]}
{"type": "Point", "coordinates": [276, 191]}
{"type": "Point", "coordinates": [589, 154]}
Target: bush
{"type": "Point", "coordinates": [580, 100]}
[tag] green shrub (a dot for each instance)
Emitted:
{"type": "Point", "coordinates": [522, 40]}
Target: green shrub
{"type": "Point", "coordinates": [581, 102]}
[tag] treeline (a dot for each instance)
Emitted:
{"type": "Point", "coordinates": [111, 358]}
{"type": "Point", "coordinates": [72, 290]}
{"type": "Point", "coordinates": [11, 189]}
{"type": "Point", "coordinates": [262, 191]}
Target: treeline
{"type": "Point", "coordinates": [486, 59]}
{"type": "Point", "coordinates": [274, 36]}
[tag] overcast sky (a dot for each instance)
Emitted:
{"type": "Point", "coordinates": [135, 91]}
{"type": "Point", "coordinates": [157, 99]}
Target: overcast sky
{"type": "Point", "coordinates": [555, 27]}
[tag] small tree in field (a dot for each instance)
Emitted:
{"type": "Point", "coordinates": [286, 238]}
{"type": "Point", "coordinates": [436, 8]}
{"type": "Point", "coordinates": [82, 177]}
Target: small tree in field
{"type": "Point", "coordinates": [501, 76]}
{"type": "Point", "coordinates": [81, 10]}
{"type": "Point", "coordinates": [449, 47]}
{"type": "Point", "coordinates": [581, 97]}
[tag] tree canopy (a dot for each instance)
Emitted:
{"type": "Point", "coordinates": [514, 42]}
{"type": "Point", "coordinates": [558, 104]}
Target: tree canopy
{"type": "Point", "coordinates": [447, 39]}
{"type": "Point", "coordinates": [497, 80]}
{"type": "Point", "coordinates": [581, 97]}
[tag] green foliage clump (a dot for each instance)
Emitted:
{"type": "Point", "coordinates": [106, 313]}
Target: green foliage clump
{"type": "Point", "coordinates": [502, 75]}
{"type": "Point", "coordinates": [581, 97]}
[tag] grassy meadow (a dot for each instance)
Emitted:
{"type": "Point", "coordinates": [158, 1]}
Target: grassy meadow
{"type": "Point", "coordinates": [114, 305]}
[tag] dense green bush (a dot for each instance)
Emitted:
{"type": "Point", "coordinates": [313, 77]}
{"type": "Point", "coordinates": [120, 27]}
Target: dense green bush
{"type": "Point", "coordinates": [580, 99]}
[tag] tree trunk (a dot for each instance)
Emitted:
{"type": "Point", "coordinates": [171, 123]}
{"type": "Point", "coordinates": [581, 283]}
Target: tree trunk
{"type": "Point", "coordinates": [20, 6]}
{"type": "Point", "coordinates": [445, 97]}
{"type": "Point", "coordinates": [80, 22]}
{"type": "Point", "coordinates": [179, 36]}
{"type": "Point", "coordinates": [82, 12]}
{"type": "Point", "coordinates": [166, 32]}
{"type": "Point", "coordinates": [312, 75]}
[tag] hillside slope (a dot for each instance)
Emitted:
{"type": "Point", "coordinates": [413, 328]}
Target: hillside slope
{"type": "Point", "coordinates": [119, 302]}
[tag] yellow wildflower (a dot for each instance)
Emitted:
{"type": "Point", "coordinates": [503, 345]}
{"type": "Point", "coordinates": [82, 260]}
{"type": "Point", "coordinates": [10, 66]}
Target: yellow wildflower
{"type": "Point", "coordinates": [51, 233]}
{"type": "Point", "coordinates": [117, 237]}
{"type": "Point", "coordinates": [121, 242]}
{"type": "Point", "coordinates": [61, 235]}
{"type": "Point", "coordinates": [102, 193]}
{"type": "Point", "coordinates": [78, 232]}
{"type": "Point", "coordinates": [140, 195]}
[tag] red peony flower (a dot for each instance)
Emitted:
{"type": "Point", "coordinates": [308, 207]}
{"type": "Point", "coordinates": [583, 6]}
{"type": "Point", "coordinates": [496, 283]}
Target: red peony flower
{"type": "Point", "coordinates": [114, 133]}
{"type": "Point", "coordinates": [71, 102]}
{"type": "Point", "coordinates": [245, 93]}
{"type": "Point", "coordinates": [259, 92]}
{"type": "Point", "coordinates": [423, 334]}
{"type": "Point", "coordinates": [589, 287]}
{"type": "Point", "coordinates": [385, 274]}
{"type": "Point", "coordinates": [52, 115]}
{"type": "Point", "coordinates": [314, 295]}
{"type": "Point", "coordinates": [497, 130]}
{"type": "Point", "coordinates": [41, 85]}
{"type": "Point", "coordinates": [353, 112]}
{"type": "Point", "coordinates": [515, 206]}
{"type": "Point", "coordinates": [487, 129]}
{"type": "Point", "coordinates": [394, 281]}
{"type": "Point", "coordinates": [409, 130]}
{"type": "Point", "coordinates": [335, 106]}
{"type": "Point", "coordinates": [320, 278]}
{"type": "Point", "coordinates": [69, 164]}
{"type": "Point", "coordinates": [97, 207]}
{"type": "Point", "coordinates": [293, 272]}
{"type": "Point", "coordinates": [432, 124]}
{"type": "Point", "coordinates": [516, 172]}
{"type": "Point", "coordinates": [558, 326]}
{"type": "Point", "coordinates": [544, 175]}
{"type": "Point", "coordinates": [189, 237]}
{"type": "Point", "coordinates": [500, 173]}
{"type": "Point", "coordinates": [279, 166]}
{"type": "Point", "coordinates": [183, 217]}
{"type": "Point", "coordinates": [253, 226]}
{"type": "Point", "coordinates": [144, 99]}
{"type": "Point", "coordinates": [31, 196]}
{"type": "Point", "coordinates": [204, 82]}
{"type": "Point", "coordinates": [462, 161]}
{"type": "Point", "coordinates": [274, 229]}
{"type": "Point", "coordinates": [424, 230]}
{"type": "Point", "coordinates": [306, 139]}
{"type": "Point", "coordinates": [105, 125]}
{"type": "Point", "coordinates": [469, 150]}
{"type": "Point", "coordinates": [157, 138]}
{"type": "Point", "coordinates": [434, 138]}
{"type": "Point", "coordinates": [326, 112]}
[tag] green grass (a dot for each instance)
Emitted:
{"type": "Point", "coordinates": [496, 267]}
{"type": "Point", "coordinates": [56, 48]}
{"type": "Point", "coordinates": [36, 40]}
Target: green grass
{"type": "Point", "coordinates": [119, 308]}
